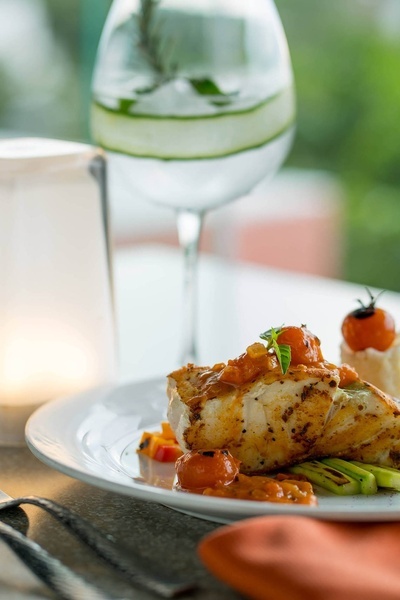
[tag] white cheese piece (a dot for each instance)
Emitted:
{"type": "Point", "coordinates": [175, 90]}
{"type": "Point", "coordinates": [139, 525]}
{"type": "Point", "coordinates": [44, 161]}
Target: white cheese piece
{"type": "Point", "coordinates": [382, 369]}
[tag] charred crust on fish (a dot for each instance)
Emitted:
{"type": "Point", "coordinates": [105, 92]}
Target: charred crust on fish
{"type": "Point", "coordinates": [287, 413]}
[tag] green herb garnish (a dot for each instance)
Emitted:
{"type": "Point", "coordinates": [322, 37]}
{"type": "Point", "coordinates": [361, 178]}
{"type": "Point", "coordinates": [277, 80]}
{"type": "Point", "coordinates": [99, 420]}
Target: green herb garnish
{"type": "Point", "coordinates": [155, 49]}
{"type": "Point", "coordinates": [206, 87]}
{"type": "Point", "coordinates": [125, 105]}
{"type": "Point", "coordinates": [282, 351]}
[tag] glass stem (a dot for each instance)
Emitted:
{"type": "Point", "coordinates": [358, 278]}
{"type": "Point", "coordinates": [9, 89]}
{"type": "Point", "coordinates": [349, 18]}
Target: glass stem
{"type": "Point", "coordinates": [189, 224]}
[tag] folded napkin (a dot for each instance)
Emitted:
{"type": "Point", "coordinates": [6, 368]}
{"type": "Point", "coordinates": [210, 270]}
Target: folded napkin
{"type": "Point", "coordinates": [299, 558]}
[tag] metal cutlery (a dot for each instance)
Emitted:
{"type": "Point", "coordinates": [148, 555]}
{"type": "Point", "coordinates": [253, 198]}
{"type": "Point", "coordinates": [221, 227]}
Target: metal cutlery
{"type": "Point", "coordinates": [132, 567]}
{"type": "Point", "coordinates": [57, 576]}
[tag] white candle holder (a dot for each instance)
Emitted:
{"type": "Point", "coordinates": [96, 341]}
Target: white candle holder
{"type": "Point", "coordinates": [56, 309]}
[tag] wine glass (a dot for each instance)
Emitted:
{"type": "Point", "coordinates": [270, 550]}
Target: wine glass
{"type": "Point", "coordinates": [194, 102]}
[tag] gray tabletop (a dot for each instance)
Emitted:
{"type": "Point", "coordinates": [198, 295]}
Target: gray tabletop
{"type": "Point", "coordinates": [164, 537]}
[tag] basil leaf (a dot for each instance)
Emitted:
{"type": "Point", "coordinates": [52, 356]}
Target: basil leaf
{"type": "Point", "coordinates": [284, 357]}
{"type": "Point", "coordinates": [283, 351]}
{"type": "Point", "coordinates": [270, 334]}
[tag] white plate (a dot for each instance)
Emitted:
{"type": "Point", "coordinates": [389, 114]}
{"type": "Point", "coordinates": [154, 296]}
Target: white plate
{"type": "Point", "coordinates": [93, 437]}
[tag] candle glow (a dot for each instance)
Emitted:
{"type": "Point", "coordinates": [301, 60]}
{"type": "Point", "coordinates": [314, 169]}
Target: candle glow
{"type": "Point", "coordinates": [41, 360]}
{"type": "Point", "coordinates": [56, 314]}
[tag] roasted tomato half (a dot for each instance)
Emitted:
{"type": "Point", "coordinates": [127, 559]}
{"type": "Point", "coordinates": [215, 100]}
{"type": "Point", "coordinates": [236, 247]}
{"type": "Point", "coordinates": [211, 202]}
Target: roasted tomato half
{"type": "Point", "coordinates": [305, 347]}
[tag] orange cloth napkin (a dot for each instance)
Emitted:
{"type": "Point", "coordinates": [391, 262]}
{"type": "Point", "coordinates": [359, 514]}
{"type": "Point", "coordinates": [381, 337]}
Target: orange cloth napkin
{"type": "Point", "coordinates": [299, 558]}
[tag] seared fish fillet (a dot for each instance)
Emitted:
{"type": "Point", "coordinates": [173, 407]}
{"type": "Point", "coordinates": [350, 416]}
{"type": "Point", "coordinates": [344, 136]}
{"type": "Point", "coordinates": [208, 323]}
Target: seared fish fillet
{"type": "Point", "coordinates": [277, 420]}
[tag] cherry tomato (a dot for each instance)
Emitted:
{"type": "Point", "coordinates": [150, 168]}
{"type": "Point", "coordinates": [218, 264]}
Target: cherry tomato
{"type": "Point", "coordinates": [199, 469]}
{"type": "Point", "coordinates": [305, 346]}
{"type": "Point", "coordinates": [369, 327]}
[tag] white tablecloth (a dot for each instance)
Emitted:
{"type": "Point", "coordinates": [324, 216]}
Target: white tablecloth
{"type": "Point", "coordinates": [237, 302]}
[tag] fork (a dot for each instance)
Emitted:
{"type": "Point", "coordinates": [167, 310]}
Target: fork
{"type": "Point", "coordinates": [141, 576]}
{"type": "Point", "coordinates": [57, 576]}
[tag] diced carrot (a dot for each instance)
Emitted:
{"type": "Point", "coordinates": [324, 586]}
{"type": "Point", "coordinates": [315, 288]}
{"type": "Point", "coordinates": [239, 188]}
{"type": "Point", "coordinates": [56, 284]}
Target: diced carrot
{"type": "Point", "coordinates": [144, 443]}
{"type": "Point", "coordinates": [160, 445]}
{"type": "Point", "coordinates": [156, 442]}
{"type": "Point", "coordinates": [167, 432]}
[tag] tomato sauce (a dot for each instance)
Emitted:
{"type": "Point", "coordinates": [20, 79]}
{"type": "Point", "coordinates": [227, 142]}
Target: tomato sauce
{"type": "Point", "coordinates": [305, 349]}
{"type": "Point", "coordinates": [266, 489]}
{"type": "Point", "coordinates": [216, 473]}
{"type": "Point", "coordinates": [348, 375]}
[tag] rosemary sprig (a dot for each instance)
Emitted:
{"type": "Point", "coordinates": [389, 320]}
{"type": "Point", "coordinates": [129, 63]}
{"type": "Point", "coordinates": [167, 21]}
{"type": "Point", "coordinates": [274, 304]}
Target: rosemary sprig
{"type": "Point", "coordinates": [157, 51]}
{"type": "Point", "coordinates": [150, 42]}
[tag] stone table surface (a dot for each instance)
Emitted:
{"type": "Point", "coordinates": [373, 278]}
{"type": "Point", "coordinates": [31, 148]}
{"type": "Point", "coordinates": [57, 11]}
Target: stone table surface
{"type": "Point", "coordinates": [164, 537]}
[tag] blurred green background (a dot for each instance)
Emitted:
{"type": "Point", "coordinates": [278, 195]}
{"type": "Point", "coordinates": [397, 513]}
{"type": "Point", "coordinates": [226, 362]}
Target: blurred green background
{"type": "Point", "coordinates": [346, 60]}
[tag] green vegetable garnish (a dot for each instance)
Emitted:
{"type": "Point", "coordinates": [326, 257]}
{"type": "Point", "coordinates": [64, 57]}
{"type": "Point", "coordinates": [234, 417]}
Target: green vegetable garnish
{"type": "Point", "coordinates": [386, 477]}
{"type": "Point", "coordinates": [367, 480]}
{"type": "Point", "coordinates": [282, 351]}
{"type": "Point", "coordinates": [328, 478]}
{"type": "Point", "coordinates": [348, 477]}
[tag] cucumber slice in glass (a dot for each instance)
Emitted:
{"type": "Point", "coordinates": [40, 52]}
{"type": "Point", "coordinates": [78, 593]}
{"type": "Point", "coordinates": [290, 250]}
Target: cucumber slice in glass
{"type": "Point", "coordinates": [193, 136]}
